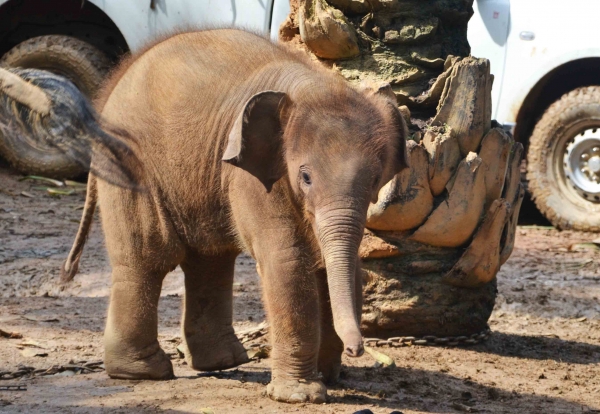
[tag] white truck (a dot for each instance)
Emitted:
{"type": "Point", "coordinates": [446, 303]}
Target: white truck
{"type": "Point", "coordinates": [545, 56]}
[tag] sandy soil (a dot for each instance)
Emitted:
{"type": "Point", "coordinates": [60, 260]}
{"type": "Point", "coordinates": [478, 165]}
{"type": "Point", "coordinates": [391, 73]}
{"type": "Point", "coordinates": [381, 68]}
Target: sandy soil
{"type": "Point", "coordinates": [543, 357]}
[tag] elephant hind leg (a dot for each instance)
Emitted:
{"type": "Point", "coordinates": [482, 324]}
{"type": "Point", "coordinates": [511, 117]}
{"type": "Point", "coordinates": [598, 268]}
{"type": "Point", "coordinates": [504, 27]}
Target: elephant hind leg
{"type": "Point", "coordinates": [209, 338]}
{"type": "Point", "coordinates": [130, 339]}
{"type": "Point", "coordinates": [143, 248]}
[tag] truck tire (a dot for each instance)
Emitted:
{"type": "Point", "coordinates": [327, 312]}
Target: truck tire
{"type": "Point", "coordinates": [563, 161]}
{"type": "Point", "coordinates": [78, 61]}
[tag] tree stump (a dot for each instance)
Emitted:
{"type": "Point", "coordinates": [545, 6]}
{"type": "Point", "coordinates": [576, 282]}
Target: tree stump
{"type": "Point", "coordinates": [440, 230]}
{"type": "Point", "coordinates": [433, 271]}
{"type": "Point", "coordinates": [404, 295]}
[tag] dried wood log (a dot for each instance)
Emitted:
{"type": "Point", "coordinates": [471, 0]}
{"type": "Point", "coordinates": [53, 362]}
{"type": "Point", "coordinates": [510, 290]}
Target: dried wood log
{"type": "Point", "coordinates": [481, 261]}
{"type": "Point", "coordinates": [433, 95]}
{"type": "Point", "coordinates": [495, 150]}
{"type": "Point", "coordinates": [453, 222]}
{"type": "Point", "coordinates": [444, 153]}
{"type": "Point", "coordinates": [431, 284]}
{"type": "Point", "coordinates": [511, 226]}
{"type": "Point", "coordinates": [465, 104]}
{"type": "Point", "coordinates": [513, 176]}
{"type": "Point", "coordinates": [406, 201]}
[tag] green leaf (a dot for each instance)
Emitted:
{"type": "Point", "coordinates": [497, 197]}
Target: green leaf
{"type": "Point", "coordinates": [54, 191]}
{"type": "Point", "coordinates": [55, 183]}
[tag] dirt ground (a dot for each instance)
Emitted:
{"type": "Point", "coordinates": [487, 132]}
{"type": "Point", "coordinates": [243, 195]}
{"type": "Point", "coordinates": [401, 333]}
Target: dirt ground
{"type": "Point", "coordinates": [543, 355]}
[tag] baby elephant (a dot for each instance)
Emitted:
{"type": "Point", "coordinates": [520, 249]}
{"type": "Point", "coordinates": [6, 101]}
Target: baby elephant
{"type": "Point", "coordinates": [243, 145]}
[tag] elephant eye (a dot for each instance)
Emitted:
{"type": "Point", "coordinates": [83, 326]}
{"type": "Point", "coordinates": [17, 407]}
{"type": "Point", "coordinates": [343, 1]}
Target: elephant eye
{"type": "Point", "coordinates": [305, 178]}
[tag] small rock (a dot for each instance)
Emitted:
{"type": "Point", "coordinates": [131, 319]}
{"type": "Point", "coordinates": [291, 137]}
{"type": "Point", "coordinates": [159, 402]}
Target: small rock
{"type": "Point", "coordinates": [493, 394]}
{"type": "Point", "coordinates": [10, 335]}
{"type": "Point", "coordinates": [412, 31]}
{"type": "Point", "coordinates": [180, 351]}
{"type": "Point", "coordinates": [31, 344]}
{"type": "Point", "coordinates": [365, 411]}
{"type": "Point", "coordinates": [578, 247]}
{"type": "Point", "coordinates": [373, 247]}
{"type": "Point", "coordinates": [258, 353]}
{"type": "Point", "coordinates": [67, 373]}
{"type": "Point", "coordinates": [40, 318]}
{"type": "Point", "coordinates": [30, 352]}
{"type": "Point", "coordinates": [542, 376]}
{"type": "Point", "coordinates": [466, 395]}
{"type": "Point", "coordinates": [464, 408]}
{"type": "Point", "coordinates": [405, 112]}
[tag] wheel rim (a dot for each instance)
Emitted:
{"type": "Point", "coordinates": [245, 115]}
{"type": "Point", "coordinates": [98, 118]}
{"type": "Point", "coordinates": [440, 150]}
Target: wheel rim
{"type": "Point", "coordinates": [581, 164]}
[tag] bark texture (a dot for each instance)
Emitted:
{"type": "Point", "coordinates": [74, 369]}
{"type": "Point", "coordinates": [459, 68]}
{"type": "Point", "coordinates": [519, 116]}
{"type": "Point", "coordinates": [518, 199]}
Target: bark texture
{"type": "Point", "coordinates": [441, 229]}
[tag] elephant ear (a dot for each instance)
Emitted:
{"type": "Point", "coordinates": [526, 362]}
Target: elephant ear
{"type": "Point", "coordinates": [400, 161]}
{"type": "Point", "coordinates": [385, 92]}
{"type": "Point", "coordinates": [255, 141]}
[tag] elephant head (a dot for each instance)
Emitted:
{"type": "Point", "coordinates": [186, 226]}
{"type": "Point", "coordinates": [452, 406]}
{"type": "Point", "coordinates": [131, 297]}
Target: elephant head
{"type": "Point", "coordinates": [335, 147]}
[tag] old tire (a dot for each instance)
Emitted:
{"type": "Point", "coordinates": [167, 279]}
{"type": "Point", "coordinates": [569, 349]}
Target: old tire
{"type": "Point", "coordinates": [563, 161]}
{"type": "Point", "coordinates": [72, 58]}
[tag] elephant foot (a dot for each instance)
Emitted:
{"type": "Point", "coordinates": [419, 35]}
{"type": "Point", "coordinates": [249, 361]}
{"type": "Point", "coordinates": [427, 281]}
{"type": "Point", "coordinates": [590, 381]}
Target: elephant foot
{"type": "Point", "coordinates": [150, 363]}
{"type": "Point", "coordinates": [330, 368]}
{"type": "Point", "coordinates": [210, 355]}
{"type": "Point", "coordinates": [297, 391]}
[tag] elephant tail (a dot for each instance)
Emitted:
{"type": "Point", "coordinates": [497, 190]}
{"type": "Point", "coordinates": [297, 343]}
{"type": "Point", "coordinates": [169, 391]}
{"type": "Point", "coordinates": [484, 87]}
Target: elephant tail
{"type": "Point", "coordinates": [71, 265]}
{"type": "Point", "coordinates": [41, 106]}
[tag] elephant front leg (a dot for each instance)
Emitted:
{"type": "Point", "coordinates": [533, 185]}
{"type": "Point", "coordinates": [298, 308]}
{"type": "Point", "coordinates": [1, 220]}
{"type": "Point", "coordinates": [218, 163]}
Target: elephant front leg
{"type": "Point", "coordinates": [209, 338]}
{"type": "Point", "coordinates": [292, 306]}
{"type": "Point", "coordinates": [331, 348]}
{"type": "Point", "coordinates": [130, 339]}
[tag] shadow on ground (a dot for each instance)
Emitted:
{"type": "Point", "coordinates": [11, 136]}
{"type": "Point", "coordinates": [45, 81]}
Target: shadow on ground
{"type": "Point", "coordinates": [374, 388]}
{"type": "Point", "coordinates": [437, 392]}
{"type": "Point", "coordinates": [540, 347]}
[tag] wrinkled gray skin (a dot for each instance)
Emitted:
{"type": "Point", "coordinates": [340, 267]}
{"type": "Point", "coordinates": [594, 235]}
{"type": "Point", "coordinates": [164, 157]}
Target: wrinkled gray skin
{"type": "Point", "coordinates": [245, 146]}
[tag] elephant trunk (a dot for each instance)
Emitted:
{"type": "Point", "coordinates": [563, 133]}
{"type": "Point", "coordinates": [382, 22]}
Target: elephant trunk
{"type": "Point", "coordinates": [340, 231]}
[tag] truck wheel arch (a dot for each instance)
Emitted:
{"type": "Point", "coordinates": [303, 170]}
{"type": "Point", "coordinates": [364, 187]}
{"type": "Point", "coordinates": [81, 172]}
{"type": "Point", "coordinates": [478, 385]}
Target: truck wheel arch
{"type": "Point", "coordinates": [551, 87]}
{"type": "Point", "coordinates": [24, 19]}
